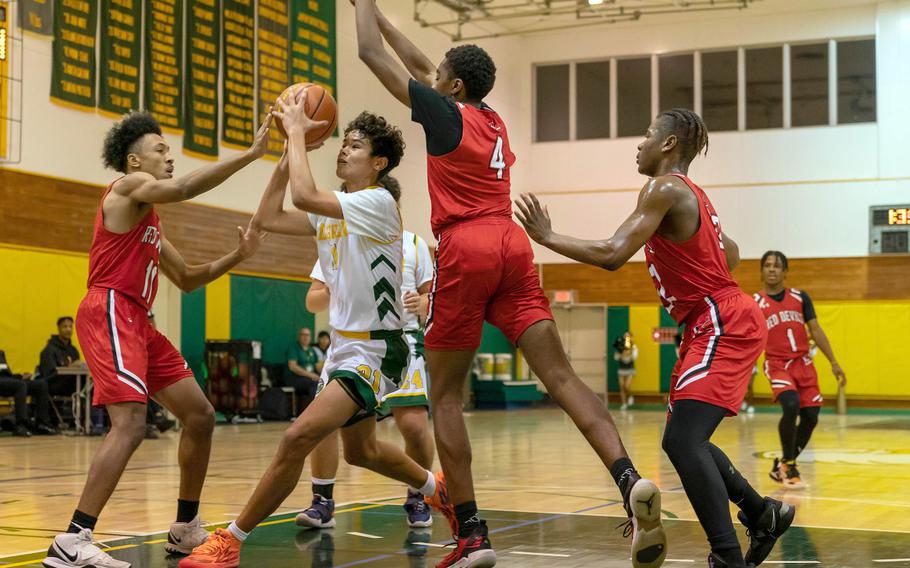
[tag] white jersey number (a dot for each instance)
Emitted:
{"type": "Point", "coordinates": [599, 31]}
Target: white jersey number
{"type": "Point", "coordinates": [668, 300]}
{"type": "Point", "coordinates": [498, 161]}
{"type": "Point", "coordinates": [151, 272]}
{"type": "Point", "coordinates": [792, 339]}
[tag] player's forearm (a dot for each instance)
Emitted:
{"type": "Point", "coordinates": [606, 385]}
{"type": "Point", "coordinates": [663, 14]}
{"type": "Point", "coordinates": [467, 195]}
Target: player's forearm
{"type": "Point", "coordinates": [209, 177]}
{"type": "Point", "coordinates": [303, 187]}
{"type": "Point", "coordinates": [823, 344]}
{"type": "Point", "coordinates": [197, 276]}
{"type": "Point", "coordinates": [369, 38]}
{"type": "Point", "coordinates": [603, 254]}
{"type": "Point", "coordinates": [418, 65]}
{"type": "Point", "coordinates": [271, 205]}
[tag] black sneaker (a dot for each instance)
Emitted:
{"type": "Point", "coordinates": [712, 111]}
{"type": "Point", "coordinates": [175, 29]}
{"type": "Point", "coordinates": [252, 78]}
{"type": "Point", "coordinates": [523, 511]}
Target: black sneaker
{"type": "Point", "coordinates": [775, 472]}
{"type": "Point", "coordinates": [44, 430]}
{"type": "Point", "coordinates": [764, 532]}
{"type": "Point", "coordinates": [715, 561]}
{"type": "Point", "coordinates": [22, 431]}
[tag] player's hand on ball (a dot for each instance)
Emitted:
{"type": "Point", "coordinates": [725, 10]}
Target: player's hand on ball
{"type": "Point", "coordinates": [250, 239]}
{"type": "Point", "coordinates": [839, 374]}
{"type": "Point", "coordinates": [536, 219]}
{"type": "Point", "coordinates": [261, 140]}
{"type": "Point", "coordinates": [293, 114]}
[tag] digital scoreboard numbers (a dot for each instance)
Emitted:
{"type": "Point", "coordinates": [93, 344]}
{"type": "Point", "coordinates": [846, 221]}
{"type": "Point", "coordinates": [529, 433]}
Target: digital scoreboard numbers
{"type": "Point", "coordinates": [889, 229]}
{"type": "Point", "coordinates": [899, 216]}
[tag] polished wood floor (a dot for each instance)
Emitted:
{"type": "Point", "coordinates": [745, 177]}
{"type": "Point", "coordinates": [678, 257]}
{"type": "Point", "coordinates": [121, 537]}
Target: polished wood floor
{"type": "Point", "coordinates": [525, 462]}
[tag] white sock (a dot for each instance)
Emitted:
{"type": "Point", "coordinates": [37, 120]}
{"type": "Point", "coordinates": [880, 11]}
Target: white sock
{"type": "Point", "coordinates": [317, 481]}
{"type": "Point", "coordinates": [429, 488]}
{"type": "Point", "coordinates": [238, 534]}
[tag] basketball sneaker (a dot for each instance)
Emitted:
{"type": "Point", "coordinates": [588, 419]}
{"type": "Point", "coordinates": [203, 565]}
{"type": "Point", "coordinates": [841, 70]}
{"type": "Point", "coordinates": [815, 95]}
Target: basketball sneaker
{"type": "Point", "coordinates": [775, 472]}
{"type": "Point", "coordinates": [184, 537]}
{"type": "Point", "coordinates": [221, 550]}
{"type": "Point", "coordinates": [72, 550]}
{"type": "Point", "coordinates": [440, 501]}
{"type": "Point", "coordinates": [419, 513]}
{"type": "Point", "coordinates": [649, 541]}
{"type": "Point", "coordinates": [764, 532]}
{"type": "Point", "coordinates": [320, 514]}
{"type": "Point", "coordinates": [715, 561]}
{"type": "Point", "coordinates": [791, 476]}
{"type": "Point", "coordinates": [473, 551]}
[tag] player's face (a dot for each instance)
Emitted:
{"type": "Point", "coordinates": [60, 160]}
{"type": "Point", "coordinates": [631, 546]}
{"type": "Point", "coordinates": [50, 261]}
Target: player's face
{"type": "Point", "coordinates": [153, 156]}
{"type": "Point", "coordinates": [355, 159]}
{"type": "Point", "coordinates": [446, 83]}
{"type": "Point", "coordinates": [649, 151]}
{"type": "Point", "coordinates": [772, 271]}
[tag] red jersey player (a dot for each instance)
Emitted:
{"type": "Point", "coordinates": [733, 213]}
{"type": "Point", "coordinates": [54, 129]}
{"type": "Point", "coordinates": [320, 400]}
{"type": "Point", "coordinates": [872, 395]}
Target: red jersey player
{"type": "Point", "coordinates": [689, 258]}
{"type": "Point", "coordinates": [788, 365]}
{"type": "Point", "coordinates": [485, 271]}
{"type": "Point", "coordinates": [129, 359]}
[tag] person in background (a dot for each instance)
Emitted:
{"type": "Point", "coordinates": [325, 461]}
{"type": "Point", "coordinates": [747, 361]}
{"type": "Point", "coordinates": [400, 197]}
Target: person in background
{"type": "Point", "coordinates": [20, 387]}
{"type": "Point", "coordinates": [59, 352]}
{"type": "Point", "coordinates": [323, 342]}
{"type": "Point", "coordinates": [302, 361]}
{"type": "Point", "coordinates": [625, 352]}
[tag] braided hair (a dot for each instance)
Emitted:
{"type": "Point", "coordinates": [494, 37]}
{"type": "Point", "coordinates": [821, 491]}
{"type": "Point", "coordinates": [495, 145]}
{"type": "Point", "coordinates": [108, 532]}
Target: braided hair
{"type": "Point", "coordinates": [689, 129]}
{"type": "Point", "coordinates": [780, 256]}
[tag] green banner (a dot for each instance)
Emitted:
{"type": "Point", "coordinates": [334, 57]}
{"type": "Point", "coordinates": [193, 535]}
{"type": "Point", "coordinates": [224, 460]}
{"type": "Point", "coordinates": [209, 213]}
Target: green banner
{"type": "Point", "coordinates": [73, 69]}
{"type": "Point", "coordinates": [272, 61]}
{"type": "Point", "coordinates": [120, 54]}
{"type": "Point", "coordinates": [238, 93]}
{"type": "Point", "coordinates": [313, 43]}
{"type": "Point", "coordinates": [163, 77]}
{"type": "Point", "coordinates": [203, 46]}
{"type": "Point", "coordinates": [36, 16]}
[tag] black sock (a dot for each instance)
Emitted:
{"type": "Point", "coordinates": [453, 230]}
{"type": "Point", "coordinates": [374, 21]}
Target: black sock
{"type": "Point", "coordinates": [623, 472]}
{"type": "Point", "coordinates": [466, 513]}
{"type": "Point", "coordinates": [81, 521]}
{"type": "Point", "coordinates": [325, 491]}
{"type": "Point", "coordinates": [186, 510]}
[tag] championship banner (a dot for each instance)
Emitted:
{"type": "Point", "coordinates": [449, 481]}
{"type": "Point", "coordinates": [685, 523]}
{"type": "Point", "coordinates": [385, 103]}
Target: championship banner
{"type": "Point", "coordinates": [203, 46]}
{"type": "Point", "coordinates": [272, 60]}
{"type": "Point", "coordinates": [163, 75]}
{"type": "Point", "coordinates": [313, 43]}
{"type": "Point", "coordinates": [73, 67]}
{"type": "Point", "coordinates": [121, 32]}
{"type": "Point", "coordinates": [237, 125]}
{"type": "Point", "coordinates": [37, 16]}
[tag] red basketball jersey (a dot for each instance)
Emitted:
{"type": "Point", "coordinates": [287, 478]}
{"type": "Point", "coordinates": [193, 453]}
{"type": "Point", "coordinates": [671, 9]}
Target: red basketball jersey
{"type": "Point", "coordinates": [472, 180]}
{"type": "Point", "coordinates": [686, 273]}
{"type": "Point", "coordinates": [127, 262]}
{"type": "Point", "coordinates": [787, 337]}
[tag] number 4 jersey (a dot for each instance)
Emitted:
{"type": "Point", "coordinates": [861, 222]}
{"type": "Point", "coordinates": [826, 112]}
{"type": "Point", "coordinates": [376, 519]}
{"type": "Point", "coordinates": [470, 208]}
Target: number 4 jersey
{"type": "Point", "coordinates": [126, 262]}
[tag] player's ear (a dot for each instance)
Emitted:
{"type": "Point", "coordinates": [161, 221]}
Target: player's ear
{"type": "Point", "coordinates": [380, 163]}
{"type": "Point", "coordinates": [669, 143]}
{"type": "Point", "coordinates": [457, 87]}
{"type": "Point", "coordinates": [132, 160]}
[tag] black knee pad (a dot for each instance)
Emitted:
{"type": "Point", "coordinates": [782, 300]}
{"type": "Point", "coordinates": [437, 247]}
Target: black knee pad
{"type": "Point", "coordinates": [789, 403]}
{"type": "Point", "coordinates": [808, 417]}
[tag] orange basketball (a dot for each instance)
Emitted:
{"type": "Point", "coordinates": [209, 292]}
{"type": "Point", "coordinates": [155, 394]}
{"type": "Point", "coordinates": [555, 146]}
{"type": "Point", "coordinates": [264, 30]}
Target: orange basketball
{"type": "Point", "coordinates": [320, 105]}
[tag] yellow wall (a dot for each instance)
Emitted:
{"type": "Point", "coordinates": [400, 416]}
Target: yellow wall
{"type": "Point", "coordinates": [218, 309]}
{"type": "Point", "coordinates": [36, 287]}
{"type": "Point", "coordinates": [642, 321]}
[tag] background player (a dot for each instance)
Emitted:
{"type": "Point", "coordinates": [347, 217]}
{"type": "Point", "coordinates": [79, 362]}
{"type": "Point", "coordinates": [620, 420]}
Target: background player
{"type": "Point", "coordinates": [485, 271]}
{"type": "Point", "coordinates": [689, 259]}
{"type": "Point", "coordinates": [788, 364]}
{"type": "Point", "coordinates": [129, 359]}
{"type": "Point", "coordinates": [409, 404]}
{"type": "Point", "coordinates": [358, 236]}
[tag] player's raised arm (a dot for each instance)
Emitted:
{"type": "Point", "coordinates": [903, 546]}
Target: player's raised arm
{"type": "Point", "coordinates": [372, 51]}
{"type": "Point", "coordinates": [415, 61]}
{"type": "Point", "coordinates": [189, 277]}
{"type": "Point", "coordinates": [304, 194]}
{"type": "Point", "coordinates": [318, 297]}
{"type": "Point", "coordinates": [271, 215]}
{"type": "Point", "coordinates": [143, 187]}
{"type": "Point", "coordinates": [654, 201]}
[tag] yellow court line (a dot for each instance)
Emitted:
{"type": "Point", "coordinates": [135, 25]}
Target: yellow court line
{"type": "Point", "coordinates": [159, 541]}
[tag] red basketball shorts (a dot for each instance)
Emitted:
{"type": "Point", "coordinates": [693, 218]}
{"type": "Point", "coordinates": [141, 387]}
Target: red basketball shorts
{"type": "Point", "coordinates": [484, 271]}
{"type": "Point", "coordinates": [128, 358]}
{"type": "Point", "coordinates": [795, 375]}
{"type": "Point", "coordinates": [719, 349]}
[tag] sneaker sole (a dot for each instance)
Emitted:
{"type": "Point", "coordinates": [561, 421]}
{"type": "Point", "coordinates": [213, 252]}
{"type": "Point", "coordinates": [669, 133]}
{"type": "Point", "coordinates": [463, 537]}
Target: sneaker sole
{"type": "Point", "coordinates": [190, 563]}
{"type": "Point", "coordinates": [171, 548]}
{"type": "Point", "coordinates": [307, 522]}
{"type": "Point", "coordinates": [421, 524]}
{"type": "Point", "coordinates": [480, 559]}
{"type": "Point", "coordinates": [649, 543]}
{"type": "Point", "coordinates": [796, 486]}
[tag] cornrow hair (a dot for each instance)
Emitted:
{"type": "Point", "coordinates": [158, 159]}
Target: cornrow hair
{"type": "Point", "coordinates": [781, 256]}
{"type": "Point", "coordinates": [690, 129]}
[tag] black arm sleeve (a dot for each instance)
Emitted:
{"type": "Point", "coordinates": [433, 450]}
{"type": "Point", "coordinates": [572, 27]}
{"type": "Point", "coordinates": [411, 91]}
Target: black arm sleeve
{"type": "Point", "coordinates": [808, 307]}
{"type": "Point", "coordinates": [439, 117]}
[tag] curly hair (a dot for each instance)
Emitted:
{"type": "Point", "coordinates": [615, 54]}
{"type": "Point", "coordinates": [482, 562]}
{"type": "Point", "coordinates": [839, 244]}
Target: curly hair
{"type": "Point", "coordinates": [385, 138]}
{"type": "Point", "coordinates": [120, 139]}
{"type": "Point", "coordinates": [474, 67]}
{"type": "Point", "coordinates": [689, 129]}
{"type": "Point", "coordinates": [391, 185]}
{"type": "Point", "coordinates": [785, 264]}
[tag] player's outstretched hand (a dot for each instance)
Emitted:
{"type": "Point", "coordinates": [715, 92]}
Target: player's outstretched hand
{"type": "Point", "coordinates": [839, 374]}
{"type": "Point", "coordinates": [536, 219]}
{"type": "Point", "coordinates": [413, 303]}
{"type": "Point", "coordinates": [293, 114]}
{"type": "Point", "coordinates": [261, 140]}
{"type": "Point", "coordinates": [250, 239]}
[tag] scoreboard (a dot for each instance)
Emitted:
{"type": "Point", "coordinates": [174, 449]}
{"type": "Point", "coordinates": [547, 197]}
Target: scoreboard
{"type": "Point", "coordinates": [889, 229]}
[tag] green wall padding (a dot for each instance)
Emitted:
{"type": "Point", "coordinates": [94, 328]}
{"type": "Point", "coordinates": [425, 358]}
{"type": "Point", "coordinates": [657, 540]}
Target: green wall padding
{"type": "Point", "coordinates": [192, 330]}
{"type": "Point", "coordinates": [271, 311]}
{"type": "Point", "coordinates": [617, 324]}
{"type": "Point", "coordinates": [667, 353]}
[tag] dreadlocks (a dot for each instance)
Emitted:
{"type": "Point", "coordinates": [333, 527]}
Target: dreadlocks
{"type": "Point", "coordinates": [689, 129]}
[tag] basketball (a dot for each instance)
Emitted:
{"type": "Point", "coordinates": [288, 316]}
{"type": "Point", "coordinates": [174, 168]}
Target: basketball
{"type": "Point", "coordinates": [320, 105]}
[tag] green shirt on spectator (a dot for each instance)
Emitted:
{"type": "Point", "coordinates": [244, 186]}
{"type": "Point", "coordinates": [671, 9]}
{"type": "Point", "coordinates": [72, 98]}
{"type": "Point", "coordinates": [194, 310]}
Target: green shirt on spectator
{"type": "Point", "coordinates": [305, 356]}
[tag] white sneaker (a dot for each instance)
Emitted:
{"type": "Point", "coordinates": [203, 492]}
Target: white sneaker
{"type": "Point", "coordinates": [184, 537]}
{"type": "Point", "coordinates": [76, 550]}
{"type": "Point", "coordinates": [631, 400]}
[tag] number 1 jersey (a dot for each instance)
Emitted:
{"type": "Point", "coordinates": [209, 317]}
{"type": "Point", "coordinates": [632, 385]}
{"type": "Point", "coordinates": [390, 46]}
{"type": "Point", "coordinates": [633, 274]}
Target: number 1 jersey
{"type": "Point", "coordinates": [126, 262]}
{"type": "Point", "coordinates": [786, 314]}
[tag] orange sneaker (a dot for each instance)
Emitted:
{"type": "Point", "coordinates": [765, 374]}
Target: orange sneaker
{"type": "Point", "coordinates": [440, 501]}
{"type": "Point", "coordinates": [792, 479]}
{"type": "Point", "coordinates": [221, 550]}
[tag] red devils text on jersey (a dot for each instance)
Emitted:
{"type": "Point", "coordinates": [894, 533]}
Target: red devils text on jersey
{"type": "Point", "coordinates": [785, 314]}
